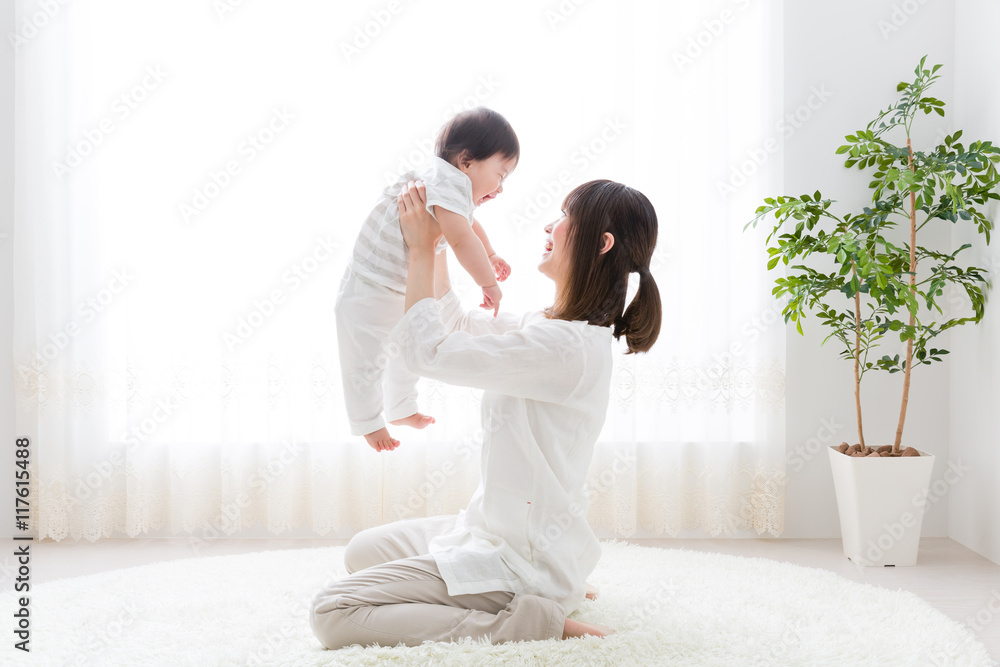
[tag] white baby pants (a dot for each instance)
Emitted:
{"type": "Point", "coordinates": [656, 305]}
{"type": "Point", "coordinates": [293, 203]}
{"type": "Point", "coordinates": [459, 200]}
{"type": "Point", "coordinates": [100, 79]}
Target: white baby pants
{"type": "Point", "coordinates": [366, 313]}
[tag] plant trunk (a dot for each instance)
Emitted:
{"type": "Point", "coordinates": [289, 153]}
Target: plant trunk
{"type": "Point", "coordinates": [857, 360]}
{"type": "Point", "coordinates": [913, 289]}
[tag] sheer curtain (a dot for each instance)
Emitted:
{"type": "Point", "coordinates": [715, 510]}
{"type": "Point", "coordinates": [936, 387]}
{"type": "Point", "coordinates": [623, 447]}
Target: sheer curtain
{"type": "Point", "coordinates": [191, 177]}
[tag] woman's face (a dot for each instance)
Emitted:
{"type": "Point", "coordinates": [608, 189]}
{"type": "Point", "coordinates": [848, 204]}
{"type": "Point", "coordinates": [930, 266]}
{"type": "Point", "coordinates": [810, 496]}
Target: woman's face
{"type": "Point", "coordinates": [556, 258]}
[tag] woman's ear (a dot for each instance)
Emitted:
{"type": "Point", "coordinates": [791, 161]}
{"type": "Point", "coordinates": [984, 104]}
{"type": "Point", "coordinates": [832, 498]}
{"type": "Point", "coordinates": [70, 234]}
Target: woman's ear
{"type": "Point", "coordinates": [609, 242]}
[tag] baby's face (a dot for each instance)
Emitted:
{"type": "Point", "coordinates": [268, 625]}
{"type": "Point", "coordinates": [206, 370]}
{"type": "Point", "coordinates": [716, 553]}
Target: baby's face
{"type": "Point", "coordinates": [487, 176]}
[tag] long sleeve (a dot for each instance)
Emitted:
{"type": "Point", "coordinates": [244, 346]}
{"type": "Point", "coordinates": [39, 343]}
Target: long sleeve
{"type": "Point", "coordinates": [547, 385]}
{"type": "Point", "coordinates": [543, 362]}
{"type": "Point", "coordinates": [475, 322]}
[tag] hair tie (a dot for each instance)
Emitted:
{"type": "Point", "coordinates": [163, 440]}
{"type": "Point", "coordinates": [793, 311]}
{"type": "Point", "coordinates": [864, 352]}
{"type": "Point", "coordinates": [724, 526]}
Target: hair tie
{"type": "Point", "coordinates": [642, 271]}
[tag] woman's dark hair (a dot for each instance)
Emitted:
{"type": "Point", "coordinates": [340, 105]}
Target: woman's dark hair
{"type": "Point", "coordinates": [480, 133]}
{"type": "Point", "coordinates": [597, 283]}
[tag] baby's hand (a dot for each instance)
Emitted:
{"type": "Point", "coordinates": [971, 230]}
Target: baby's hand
{"type": "Point", "coordinates": [491, 298]}
{"type": "Point", "coordinates": [500, 267]}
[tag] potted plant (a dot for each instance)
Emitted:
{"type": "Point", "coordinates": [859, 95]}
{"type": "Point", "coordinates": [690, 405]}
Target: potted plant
{"type": "Point", "coordinates": [869, 280]}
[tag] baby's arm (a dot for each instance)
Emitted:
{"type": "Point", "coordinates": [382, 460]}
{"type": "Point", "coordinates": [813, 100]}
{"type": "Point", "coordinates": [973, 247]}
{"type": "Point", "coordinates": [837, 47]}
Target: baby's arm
{"type": "Point", "coordinates": [481, 233]}
{"type": "Point", "coordinates": [471, 254]}
{"type": "Point", "coordinates": [500, 267]}
{"type": "Point", "coordinates": [470, 251]}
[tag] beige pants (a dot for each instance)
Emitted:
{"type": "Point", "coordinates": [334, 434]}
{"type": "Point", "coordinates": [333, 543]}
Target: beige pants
{"type": "Point", "coordinates": [394, 594]}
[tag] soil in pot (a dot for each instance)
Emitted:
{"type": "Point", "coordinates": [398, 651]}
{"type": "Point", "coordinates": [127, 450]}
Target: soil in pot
{"type": "Point", "coordinates": [884, 450]}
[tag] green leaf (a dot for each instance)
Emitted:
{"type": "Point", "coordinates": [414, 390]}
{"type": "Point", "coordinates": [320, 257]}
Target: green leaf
{"type": "Point", "coordinates": [949, 182]}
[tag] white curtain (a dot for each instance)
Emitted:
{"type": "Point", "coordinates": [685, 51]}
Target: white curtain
{"type": "Point", "coordinates": [190, 179]}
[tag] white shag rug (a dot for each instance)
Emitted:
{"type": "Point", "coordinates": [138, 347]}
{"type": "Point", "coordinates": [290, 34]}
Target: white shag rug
{"type": "Point", "coordinates": [670, 607]}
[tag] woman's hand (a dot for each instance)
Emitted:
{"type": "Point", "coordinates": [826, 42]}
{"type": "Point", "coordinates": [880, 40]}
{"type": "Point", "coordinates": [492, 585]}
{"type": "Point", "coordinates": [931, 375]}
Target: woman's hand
{"type": "Point", "coordinates": [420, 230]}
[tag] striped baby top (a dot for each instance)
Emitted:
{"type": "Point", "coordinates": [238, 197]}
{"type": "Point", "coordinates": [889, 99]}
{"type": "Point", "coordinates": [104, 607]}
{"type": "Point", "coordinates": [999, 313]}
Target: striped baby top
{"type": "Point", "coordinates": [380, 255]}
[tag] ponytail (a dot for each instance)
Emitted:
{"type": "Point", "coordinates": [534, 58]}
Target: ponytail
{"type": "Point", "coordinates": [640, 323]}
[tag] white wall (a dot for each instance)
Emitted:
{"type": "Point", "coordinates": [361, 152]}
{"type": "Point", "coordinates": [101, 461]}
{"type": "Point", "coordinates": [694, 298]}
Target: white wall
{"type": "Point", "coordinates": [858, 50]}
{"type": "Point", "coordinates": [6, 263]}
{"type": "Point", "coordinates": [974, 517]}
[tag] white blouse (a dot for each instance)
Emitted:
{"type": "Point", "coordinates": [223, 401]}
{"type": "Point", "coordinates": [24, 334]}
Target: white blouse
{"type": "Point", "coordinates": [547, 385]}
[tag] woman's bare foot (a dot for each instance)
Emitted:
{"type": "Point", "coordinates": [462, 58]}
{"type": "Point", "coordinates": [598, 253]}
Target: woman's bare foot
{"type": "Point", "coordinates": [381, 441]}
{"type": "Point", "coordinates": [591, 591]}
{"type": "Point", "coordinates": [573, 628]}
{"type": "Point", "coordinates": [416, 420]}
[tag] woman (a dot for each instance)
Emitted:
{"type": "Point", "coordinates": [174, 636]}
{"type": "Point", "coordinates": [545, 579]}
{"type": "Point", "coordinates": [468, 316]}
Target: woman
{"type": "Point", "coordinates": [513, 565]}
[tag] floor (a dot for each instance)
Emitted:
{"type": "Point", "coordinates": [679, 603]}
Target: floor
{"type": "Point", "coordinates": [953, 579]}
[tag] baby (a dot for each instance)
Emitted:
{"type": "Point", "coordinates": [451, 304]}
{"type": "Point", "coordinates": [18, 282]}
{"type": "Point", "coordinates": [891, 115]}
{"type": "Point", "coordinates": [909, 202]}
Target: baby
{"type": "Point", "coordinates": [475, 151]}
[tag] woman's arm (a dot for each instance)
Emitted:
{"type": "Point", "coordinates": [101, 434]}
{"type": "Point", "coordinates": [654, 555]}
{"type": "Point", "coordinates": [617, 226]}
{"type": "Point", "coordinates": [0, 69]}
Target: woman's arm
{"type": "Point", "coordinates": [545, 362]}
{"type": "Point", "coordinates": [420, 278]}
{"type": "Point", "coordinates": [421, 234]}
{"type": "Point", "coordinates": [442, 281]}
{"type": "Point", "coordinates": [475, 322]}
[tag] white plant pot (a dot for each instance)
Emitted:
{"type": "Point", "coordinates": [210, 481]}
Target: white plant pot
{"type": "Point", "coordinates": [881, 504]}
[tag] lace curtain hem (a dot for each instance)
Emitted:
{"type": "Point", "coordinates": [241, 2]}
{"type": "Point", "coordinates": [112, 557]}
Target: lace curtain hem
{"type": "Point", "coordinates": [744, 500]}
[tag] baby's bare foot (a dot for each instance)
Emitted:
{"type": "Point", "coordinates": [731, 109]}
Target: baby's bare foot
{"type": "Point", "coordinates": [416, 420]}
{"type": "Point", "coordinates": [573, 628]}
{"type": "Point", "coordinates": [381, 441]}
